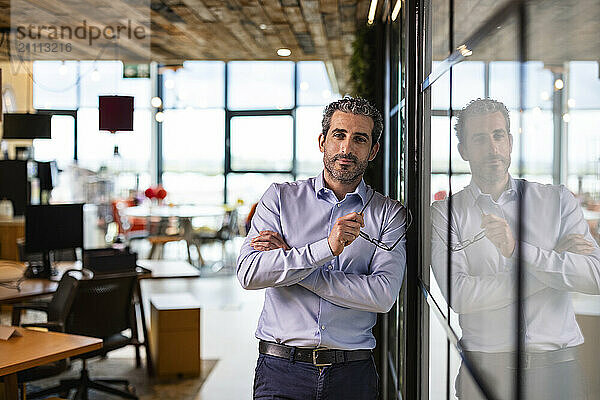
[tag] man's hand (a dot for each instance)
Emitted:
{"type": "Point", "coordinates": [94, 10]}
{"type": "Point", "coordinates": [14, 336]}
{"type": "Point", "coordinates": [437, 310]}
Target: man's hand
{"type": "Point", "coordinates": [268, 240]}
{"type": "Point", "coordinates": [575, 243]}
{"type": "Point", "coordinates": [344, 231]}
{"type": "Point", "coordinates": [498, 232]}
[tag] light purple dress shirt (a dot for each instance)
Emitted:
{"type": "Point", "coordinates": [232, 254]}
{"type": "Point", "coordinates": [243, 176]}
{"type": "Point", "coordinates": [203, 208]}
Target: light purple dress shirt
{"type": "Point", "coordinates": [312, 298]}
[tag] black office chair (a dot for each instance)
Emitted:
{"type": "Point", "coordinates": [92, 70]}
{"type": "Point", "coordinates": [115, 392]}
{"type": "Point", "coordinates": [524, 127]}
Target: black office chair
{"type": "Point", "coordinates": [102, 308]}
{"type": "Point", "coordinates": [57, 310]}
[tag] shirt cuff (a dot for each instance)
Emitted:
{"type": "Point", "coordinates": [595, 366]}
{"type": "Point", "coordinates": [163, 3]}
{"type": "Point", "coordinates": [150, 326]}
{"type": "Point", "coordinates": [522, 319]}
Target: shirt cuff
{"type": "Point", "coordinates": [528, 253]}
{"type": "Point", "coordinates": [320, 252]}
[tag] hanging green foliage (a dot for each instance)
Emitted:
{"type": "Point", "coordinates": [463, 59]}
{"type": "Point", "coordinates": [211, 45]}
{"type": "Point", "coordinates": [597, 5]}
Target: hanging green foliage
{"type": "Point", "coordinates": [362, 63]}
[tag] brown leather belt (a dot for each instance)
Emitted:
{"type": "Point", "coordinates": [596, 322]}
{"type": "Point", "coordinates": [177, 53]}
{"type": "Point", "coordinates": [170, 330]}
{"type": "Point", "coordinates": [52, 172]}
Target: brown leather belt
{"type": "Point", "coordinates": [319, 357]}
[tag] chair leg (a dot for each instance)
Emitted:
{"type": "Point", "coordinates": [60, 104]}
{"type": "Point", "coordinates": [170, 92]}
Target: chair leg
{"type": "Point", "coordinates": [107, 389]}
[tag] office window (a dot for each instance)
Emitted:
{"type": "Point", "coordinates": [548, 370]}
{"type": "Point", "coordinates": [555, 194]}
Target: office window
{"type": "Point", "coordinates": [198, 84]}
{"type": "Point", "coordinates": [309, 160]}
{"type": "Point", "coordinates": [62, 144]}
{"type": "Point", "coordinates": [249, 187]}
{"type": "Point", "coordinates": [313, 85]}
{"type": "Point", "coordinates": [262, 143]}
{"type": "Point", "coordinates": [55, 85]}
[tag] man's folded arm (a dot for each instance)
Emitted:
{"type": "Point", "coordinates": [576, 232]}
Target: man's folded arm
{"type": "Point", "coordinates": [470, 292]}
{"type": "Point", "coordinates": [374, 292]}
{"type": "Point", "coordinates": [566, 270]}
{"type": "Point", "coordinates": [262, 269]}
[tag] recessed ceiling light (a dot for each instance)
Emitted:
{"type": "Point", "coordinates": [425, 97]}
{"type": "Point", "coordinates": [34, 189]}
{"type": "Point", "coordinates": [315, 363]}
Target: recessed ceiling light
{"type": "Point", "coordinates": [283, 52]}
{"type": "Point", "coordinates": [263, 26]}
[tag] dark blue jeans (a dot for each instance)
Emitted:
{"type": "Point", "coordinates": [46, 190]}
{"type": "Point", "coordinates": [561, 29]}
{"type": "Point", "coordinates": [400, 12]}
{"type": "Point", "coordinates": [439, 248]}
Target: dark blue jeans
{"type": "Point", "coordinates": [278, 378]}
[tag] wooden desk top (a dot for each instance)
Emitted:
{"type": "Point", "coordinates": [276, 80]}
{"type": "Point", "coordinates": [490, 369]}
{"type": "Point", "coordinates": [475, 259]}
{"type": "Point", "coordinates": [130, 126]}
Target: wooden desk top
{"type": "Point", "coordinates": [160, 269]}
{"type": "Point", "coordinates": [36, 348]}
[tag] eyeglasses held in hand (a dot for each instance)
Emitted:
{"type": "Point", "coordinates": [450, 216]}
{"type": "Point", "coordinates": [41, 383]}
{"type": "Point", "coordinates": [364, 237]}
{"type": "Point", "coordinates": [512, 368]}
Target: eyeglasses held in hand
{"type": "Point", "coordinates": [378, 242]}
{"type": "Point", "coordinates": [463, 244]}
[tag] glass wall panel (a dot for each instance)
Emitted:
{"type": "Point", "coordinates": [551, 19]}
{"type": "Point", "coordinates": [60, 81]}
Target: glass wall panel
{"type": "Point", "coordinates": [473, 277]}
{"type": "Point", "coordinates": [561, 256]}
{"type": "Point", "coordinates": [260, 85]}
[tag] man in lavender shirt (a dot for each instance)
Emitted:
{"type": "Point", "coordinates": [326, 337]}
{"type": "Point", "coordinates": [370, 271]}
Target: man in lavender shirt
{"type": "Point", "coordinates": [325, 284]}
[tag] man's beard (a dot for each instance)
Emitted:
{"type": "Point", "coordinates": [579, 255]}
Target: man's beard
{"type": "Point", "coordinates": [493, 173]}
{"type": "Point", "coordinates": [344, 174]}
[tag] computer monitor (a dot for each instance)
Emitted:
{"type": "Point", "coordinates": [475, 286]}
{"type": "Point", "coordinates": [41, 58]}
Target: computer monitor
{"type": "Point", "coordinates": [27, 126]}
{"type": "Point", "coordinates": [14, 184]}
{"type": "Point", "coordinates": [52, 227]}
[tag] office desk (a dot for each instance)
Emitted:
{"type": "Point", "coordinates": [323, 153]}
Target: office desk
{"type": "Point", "coordinates": [159, 269]}
{"type": "Point", "coordinates": [155, 269]}
{"type": "Point", "coordinates": [37, 348]}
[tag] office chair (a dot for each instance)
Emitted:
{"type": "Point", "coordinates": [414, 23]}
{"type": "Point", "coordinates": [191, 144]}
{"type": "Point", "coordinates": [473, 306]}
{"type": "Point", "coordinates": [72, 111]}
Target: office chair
{"type": "Point", "coordinates": [229, 229]}
{"type": "Point", "coordinates": [102, 308]}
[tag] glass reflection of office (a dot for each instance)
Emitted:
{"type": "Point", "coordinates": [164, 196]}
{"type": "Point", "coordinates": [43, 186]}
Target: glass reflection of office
{"type": "Point", "coordinates": [477, 232]}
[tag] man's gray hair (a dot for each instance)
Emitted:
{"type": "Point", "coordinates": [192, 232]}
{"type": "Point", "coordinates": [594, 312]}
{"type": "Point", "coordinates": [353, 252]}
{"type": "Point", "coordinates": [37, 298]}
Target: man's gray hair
{"type": "Point", "coordinates": [479, 107]}
{"type": "Point", "coordinates": [357, 106]}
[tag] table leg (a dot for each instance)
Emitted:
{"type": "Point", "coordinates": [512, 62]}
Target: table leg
{"type": "Point", "coordinates": [11, 389]}
{"type": "Point", "coordinates": [149, 361]}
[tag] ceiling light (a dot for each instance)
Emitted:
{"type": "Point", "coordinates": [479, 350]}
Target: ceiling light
{"type": "Point", "coordinates": [464, 50]}
{"type": "Point", "coordinates": [156, 102]}
{"type": "Point", "coordinates": [372, 10]}
{"type": "Point", "coordinates": [283, 52]}
{"type": "Point", "coordinates": [160, 116]}
{"type": "Point", "coordinates": [169, 84]}
{"type": "Point", "coordinates": [263, 26]}
{"type": "Point", "coordinates": [396, 9]}
{"type": "Point", "coordinates": [571, 103]}
{"type": "Point", "coordinates": [62, 70]}
{"type": "Point", "coordinates": [559, 84]}
{"type": "Point", "coordinates": [566, 117]}
{"type": "Point", "coordinates": [545, 96]}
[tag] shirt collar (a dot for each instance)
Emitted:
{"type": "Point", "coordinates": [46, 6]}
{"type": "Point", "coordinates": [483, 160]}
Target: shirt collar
{"type": "Point", "coordinates": [509, 194]}
{"type": "Point", "coordinates": [320, 188]}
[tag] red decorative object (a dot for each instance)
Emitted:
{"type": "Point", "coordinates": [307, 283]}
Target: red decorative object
{"type": "Point", "coordinates": [116, 113]}
{"type": "Point", "coordinates": [161, 193]}
{"type": "Point", "coordinates": [441, 195]}
{"type": "Point", "coordinates": [150, 193]}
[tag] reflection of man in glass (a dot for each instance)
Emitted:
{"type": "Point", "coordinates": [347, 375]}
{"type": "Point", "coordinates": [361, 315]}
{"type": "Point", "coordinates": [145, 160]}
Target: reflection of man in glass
{"type": "Point", "coordinates": [558, 256]}
{"type": "Point", "coordinates": [324, 285]}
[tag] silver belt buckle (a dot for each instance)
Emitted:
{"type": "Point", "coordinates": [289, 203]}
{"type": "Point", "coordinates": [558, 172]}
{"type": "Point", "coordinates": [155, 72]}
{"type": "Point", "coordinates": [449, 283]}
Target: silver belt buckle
{"type": "Point", "coordinates": [314, 358]}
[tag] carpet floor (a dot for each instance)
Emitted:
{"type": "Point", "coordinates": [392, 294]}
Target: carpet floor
{"type": "Point", "coordinates": [124, 368]}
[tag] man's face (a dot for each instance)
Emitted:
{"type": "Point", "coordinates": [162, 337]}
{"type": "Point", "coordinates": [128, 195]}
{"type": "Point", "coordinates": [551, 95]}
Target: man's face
{"type": "Point", "coordinates": [347, 146]}
{"type": "Point", "coordinates": [487, 146]}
